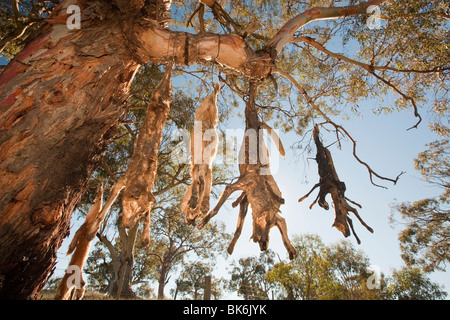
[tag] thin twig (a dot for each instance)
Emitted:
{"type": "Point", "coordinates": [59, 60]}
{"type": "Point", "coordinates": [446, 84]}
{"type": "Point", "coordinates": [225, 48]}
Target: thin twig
{"type": "Point", "coordinates": [371, 172]}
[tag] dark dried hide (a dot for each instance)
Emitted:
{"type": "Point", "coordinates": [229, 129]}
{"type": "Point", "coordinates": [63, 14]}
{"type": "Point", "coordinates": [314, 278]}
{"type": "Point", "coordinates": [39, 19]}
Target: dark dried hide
{"type": "Point", "coordinates": [329, 183]}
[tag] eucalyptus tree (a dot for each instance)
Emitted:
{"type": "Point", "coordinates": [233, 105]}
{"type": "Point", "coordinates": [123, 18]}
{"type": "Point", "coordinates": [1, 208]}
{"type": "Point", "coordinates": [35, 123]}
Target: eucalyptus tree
{"type": "Point", "coordinates": [64, 94]}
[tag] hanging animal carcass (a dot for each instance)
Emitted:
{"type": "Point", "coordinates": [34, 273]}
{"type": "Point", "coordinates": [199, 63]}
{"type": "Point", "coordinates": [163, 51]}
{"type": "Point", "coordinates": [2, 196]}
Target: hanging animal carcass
{"type": "Point", "coordinates": [204, 142]}
{"type": "Point", "coordinates": [260, 190]}
{"type": "Point", "coordinates": [329, 183]}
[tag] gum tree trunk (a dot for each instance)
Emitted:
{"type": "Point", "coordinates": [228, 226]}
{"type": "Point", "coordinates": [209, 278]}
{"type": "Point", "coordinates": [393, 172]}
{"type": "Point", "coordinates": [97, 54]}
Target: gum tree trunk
{"type": "Point", "coordinates": [60, 102]}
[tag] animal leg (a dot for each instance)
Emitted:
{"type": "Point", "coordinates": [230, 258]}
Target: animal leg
{"type": "Point", "coordinates": [359, 218]}
{"type": "Point", "coordinates": [350, 222]}
{"type": "Point", "coordinates": [225, 195]}
{"type": "Point", "coordinates": [310, 191]}
{"type": "Point", "coordinates": [243, 209]}
{"type": "Point", "coordinates": [79, 292]}
{"type": "Point", "coordinates": [239, 199]}
{"type": "Point", "coordinates": [204, 204]}
{"type": "Point", "coordinates": [185, 202]}
{"type": "Point", "coordinates": [281, 224]}
{"type": "Point", "coordinates": [193, 201]}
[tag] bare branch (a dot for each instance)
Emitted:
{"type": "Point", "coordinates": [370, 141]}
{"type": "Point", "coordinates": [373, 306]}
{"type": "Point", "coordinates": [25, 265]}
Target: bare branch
{"type": "Point", "coordinates": [286, 33]}
{"type": "Point", "coordinates": [369, 169]}
{"type": "Point", "coordinates": [302, 91]}
{"type": "Point", "coordinates": [406, 97]}
{"type": "Point", "coordinates": [371, 69]}
{"type": "Point", "coordinates": [363, 65]}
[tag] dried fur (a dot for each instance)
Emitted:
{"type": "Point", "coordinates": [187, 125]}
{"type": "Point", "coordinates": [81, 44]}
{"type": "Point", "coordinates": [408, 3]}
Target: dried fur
{"type": "Point", "coordinates": [204, 144]}
{"type": "Point", "coordinates": [260, 190]}
{"type": "Point", "coordinates": [329, 183]}
{"type": "Point", "coordinates": [79, 248]}
{"type": "Point", "coordinates": [137, 197]}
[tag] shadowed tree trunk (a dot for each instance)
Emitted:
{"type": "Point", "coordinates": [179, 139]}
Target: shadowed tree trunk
{"type": "Point", "coordinates": [60, 101]}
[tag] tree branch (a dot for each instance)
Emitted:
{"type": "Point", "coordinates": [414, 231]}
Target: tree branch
{"type": "Point", "coordinates": [161, 45]}
{"type": "Point", "coordinates": [363, 65]}
{"type": "Point", "coordinates": [371, 69]}
{"type": "Point", "coordinates": [303, 92]}
{"type": "Point", "coordinates": [369, 169]}
{"type": "Point", "coordinates": [286, 33]}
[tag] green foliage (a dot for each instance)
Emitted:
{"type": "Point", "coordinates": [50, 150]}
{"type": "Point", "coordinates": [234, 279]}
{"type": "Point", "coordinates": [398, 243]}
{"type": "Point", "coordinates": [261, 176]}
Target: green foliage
{"type": "Point", "coordinates": [321, 272]}
{"type": "Point", "coordinates": [18, 22]}
{"type": "Point", "coordinates": [248, 277]}
{"type": "Point", "coordinates": [413, 284]}
{"type": "Point", "coordinates": [190, 284]}
{"type": "Point", "coordinates": [425, 239]}
{"type": "Point", "coordinates": [339, 271]}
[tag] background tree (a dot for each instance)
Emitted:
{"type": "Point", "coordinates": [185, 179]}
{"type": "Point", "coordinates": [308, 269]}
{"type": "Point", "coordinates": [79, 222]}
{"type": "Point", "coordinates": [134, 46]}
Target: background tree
{"type": "Point", "coordinates": [306, 276]}
{"type": "Point", "coordinates": [412, 284]}
{"type": "Point", "coordinates": [248, 277]}
{"type": "Point", "coordinates": [191, 284]}
{"type": "Point", "coordinates": [172, 241]}
{"type": "Point", "coordinates": [102, 270]}
{"type": "Point", "coordinates": [321, 272]}
{"type": "Point", "coordinates": [351, 270]}
{"type": "Point", "coordinates": [425, 239]}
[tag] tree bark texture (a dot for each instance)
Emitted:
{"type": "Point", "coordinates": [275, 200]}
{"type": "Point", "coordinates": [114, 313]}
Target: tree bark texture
{"type": "Point", "coordinates": [80, 246]}
{"type": "Point", "coordinates": [60, 100]}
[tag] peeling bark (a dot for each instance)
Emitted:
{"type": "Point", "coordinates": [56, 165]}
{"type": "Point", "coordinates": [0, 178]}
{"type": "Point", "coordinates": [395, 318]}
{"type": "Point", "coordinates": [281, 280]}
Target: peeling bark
{"type": "Point", "coordinates": [230, 50]}
{"type": "Point", "coordinates": [330, 184]}
{"type": "Point", "coordinates": [60, 101]}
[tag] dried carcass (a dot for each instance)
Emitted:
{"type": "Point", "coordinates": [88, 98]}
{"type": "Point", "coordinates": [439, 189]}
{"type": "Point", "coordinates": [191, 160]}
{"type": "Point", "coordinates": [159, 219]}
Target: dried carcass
{"type": "Point", "coordinates": [260, 190]}
{"type": "Point", "coordinates": [79, 248]}
{"type": "Point", "coordinates": [329, 183]}
{"type": "Point", "coordinates": [138, 181]}
{"type": "Point", "coordinates": [204, 142]}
